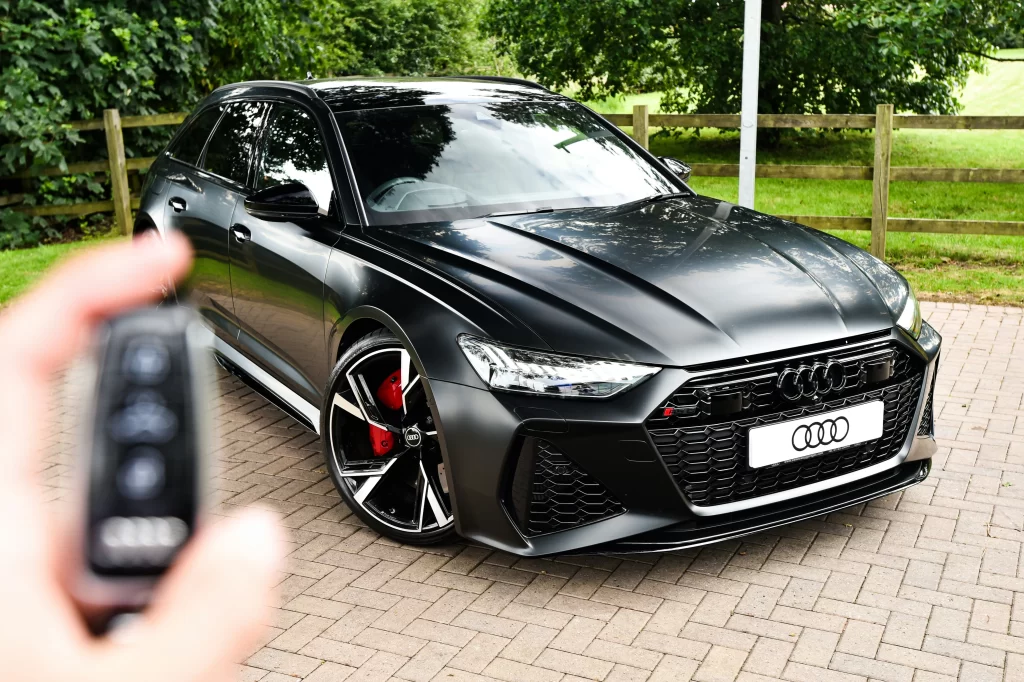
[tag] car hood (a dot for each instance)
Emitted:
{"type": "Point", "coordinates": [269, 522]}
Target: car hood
{"type": "Point", "coordinates": [678, 282]}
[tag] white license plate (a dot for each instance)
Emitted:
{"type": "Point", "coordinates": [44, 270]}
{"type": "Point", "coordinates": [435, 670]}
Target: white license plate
{"type": "Point", "coordinates": [776, 443]}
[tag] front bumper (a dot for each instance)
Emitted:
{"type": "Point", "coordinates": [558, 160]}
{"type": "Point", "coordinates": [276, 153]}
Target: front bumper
{"type": "Point", "coordinates": [483, 434]}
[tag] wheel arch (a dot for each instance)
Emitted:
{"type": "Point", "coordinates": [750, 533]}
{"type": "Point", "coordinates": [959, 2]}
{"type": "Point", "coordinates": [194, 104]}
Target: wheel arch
{"type": "Point", "coordinates": [361, 321]}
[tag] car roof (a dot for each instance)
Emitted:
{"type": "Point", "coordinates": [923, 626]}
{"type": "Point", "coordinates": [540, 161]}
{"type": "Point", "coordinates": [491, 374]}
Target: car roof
{"type": "Point", "coordinates": [359, 93]}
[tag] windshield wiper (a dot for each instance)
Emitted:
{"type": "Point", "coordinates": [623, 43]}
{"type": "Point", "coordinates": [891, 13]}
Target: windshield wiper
{"type": "Point", "coordinates": [498, 214]}
{"type": "Point", "coordinates": [655, 198]}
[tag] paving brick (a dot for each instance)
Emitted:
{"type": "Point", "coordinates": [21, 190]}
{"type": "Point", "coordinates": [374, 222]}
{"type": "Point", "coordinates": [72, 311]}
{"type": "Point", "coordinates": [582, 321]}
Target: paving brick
{"type": "Point", "coordinates": [799, 672]}
{"type": "Point", "coordinates": [904, 630]}
{"type": "Point", "coordinates": [714, 609]}
{"type": "Point", "coordinates": [338, 652]}
{"type": "Point", "coordinates": [670, 618]}
{"type": "Point", "coordinates": [624, 626]}
{"type": "Point", "coordinates": [768, 657]}
{"type": "Point", "coordinates": [283, 662]}
{"type": "Point", "coordinates": [300, 634]}
{"type": "Point", "coordinates": [577, 635]}
{"type": "Point", "coordinates": [922, 660]}
{"type": "Point", "coordinates": [815, 647]}
{"type": "Point", "coordinates": [511, 671]}
{"type": "Point", "coordinates": [674, 669]}
{"type": "Point", "coordinates": [427, 663]}
{"type": "Point", "coordinates": [920, 585]}
{"type": "Point", "coordinates": [878, 670]}
{"type": "Point", "coordinates": [621, 654]}
{"type": "Point", "coordinates": [861, 639]}
{"type": "Point", "coordinates": [720, 665]}
{"type": "Point", "coordinates": [574, 664]}
{"type": "Point", "coordinates": [675, 646]}
{"type": "Point", "coordinates": [990, 616]}
{"type": "Point", "coordinates": [529, 643]}
{"type": "Point", "coordinates": [479, 653]}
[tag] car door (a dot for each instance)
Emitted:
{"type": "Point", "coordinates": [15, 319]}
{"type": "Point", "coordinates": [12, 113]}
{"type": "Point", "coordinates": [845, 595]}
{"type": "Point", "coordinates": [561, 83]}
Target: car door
{"type": "Point", "coordinates": [187, 210]}
{"type": "Point", "coordinates": [204, 188]}
{"type": "Point", "coordinates": [278, 268]}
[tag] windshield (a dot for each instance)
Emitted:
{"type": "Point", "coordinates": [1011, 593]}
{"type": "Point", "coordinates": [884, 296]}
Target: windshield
{"type": "Point", "coordinates": [431, 163]}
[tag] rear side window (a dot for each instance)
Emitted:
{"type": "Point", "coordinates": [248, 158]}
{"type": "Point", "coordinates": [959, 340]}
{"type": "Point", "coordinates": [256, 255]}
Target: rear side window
{"type": "Point", "coordinates": [190, 144]}
{"type": "Point", "coordinates": [294, 152]}
{"type": "Point", "coordinates": [230, 149]}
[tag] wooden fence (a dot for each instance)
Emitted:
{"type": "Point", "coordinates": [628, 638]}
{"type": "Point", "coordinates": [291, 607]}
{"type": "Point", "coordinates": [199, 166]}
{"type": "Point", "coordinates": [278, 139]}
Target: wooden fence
{"type": "Point", "coordinates": [882, 173]}
{"type": "Point", "coordinates": [121, 202]}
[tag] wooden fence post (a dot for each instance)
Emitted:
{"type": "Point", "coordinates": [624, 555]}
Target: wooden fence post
{"type": "Point", "coordinates": [119, 191]}
{"type": "Point", "coordinates": [640, 119]}
{"type": "Point", "coordinates": [880, 183]}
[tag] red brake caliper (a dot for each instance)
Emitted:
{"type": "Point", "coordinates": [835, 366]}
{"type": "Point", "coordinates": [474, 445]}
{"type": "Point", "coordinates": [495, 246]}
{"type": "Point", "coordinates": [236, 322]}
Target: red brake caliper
{"type": "Point", "coordinates": [389, 393]}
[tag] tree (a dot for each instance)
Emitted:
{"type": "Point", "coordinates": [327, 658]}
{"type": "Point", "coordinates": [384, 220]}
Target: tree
{"type": "Point", "coordinates": [839, 56]}
{"type": "Point", "coordinates": [63, 60]}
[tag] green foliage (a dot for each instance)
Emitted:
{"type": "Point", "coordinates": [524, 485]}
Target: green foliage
{"type": "Point", "coordinates": [398, 37]}
{"type": "Point", "coordinates": [62, 60]}
{"type": "Point", "coordinates": [844, 56]}
{"type": "Point", "coordinates": [69, 59]}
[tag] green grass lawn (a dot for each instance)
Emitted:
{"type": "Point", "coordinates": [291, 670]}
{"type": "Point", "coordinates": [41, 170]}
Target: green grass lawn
{"type": "Point", "coordinates": [943, 267]}
{"type": "Point", "coordinates": [19, 269]}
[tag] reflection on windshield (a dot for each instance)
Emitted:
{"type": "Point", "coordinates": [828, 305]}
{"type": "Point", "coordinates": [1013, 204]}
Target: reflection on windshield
{"type": "Point", "coordinates": [430, 163]}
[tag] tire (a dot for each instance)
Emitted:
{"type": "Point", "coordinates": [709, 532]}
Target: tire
{"type": "Point", "coordinates": [399, 493]}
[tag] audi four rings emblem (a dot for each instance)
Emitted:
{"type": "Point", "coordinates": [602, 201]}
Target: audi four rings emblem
{"type": "Point", "coordinates": [820, 433]}
{"type": "Point", "coordinates": [807, 381]}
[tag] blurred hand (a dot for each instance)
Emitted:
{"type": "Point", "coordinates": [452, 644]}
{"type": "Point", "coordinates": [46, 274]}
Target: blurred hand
{"type": "Point", "coordinates": [208, 611]}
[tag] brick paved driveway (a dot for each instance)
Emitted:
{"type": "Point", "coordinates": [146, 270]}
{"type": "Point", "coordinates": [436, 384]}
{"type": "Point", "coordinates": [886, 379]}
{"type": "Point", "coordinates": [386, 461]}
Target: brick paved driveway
{"type": "Point", "coordinates": [924, 585]}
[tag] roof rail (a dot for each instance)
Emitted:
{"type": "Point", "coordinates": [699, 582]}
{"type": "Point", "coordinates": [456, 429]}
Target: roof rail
{"type": "Point", "coordinates": [500, 79]}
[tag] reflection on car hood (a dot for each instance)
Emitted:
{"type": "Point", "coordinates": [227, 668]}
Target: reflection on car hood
{"type": "Point", "coordinates": [679, 282]}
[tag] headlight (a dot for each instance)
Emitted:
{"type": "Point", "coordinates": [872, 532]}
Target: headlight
{"type": "Point", "coordinates": [529, 371]}
{"type": "Point", "coordinates": [910, 318]}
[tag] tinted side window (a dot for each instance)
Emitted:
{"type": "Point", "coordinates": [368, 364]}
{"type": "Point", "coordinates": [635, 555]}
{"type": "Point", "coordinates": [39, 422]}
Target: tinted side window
{"type": "Point", "coordinates": [294, 152]}
{"type": "Point", "coordinates": [231, 147]}
{"type": "Point", "coordinates": [190, 145]}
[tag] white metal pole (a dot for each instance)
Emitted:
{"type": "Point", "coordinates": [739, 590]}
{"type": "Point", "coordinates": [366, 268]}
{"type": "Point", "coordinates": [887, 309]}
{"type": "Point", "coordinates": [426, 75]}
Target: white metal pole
{"type": "Point", "coordinates": [748, 113]}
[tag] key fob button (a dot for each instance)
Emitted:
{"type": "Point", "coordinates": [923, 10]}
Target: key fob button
{"type": "Point", "coordinates": [146, 361]}
{"type": "Point", "coordinates": [141, 475]}
{"type": "Point", "coordinates": [144, 420]}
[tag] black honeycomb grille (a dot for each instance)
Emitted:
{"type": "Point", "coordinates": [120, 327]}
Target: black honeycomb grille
{"type": "Point", "coordinates": [757, 388]}
{"type": "Point", "coordinates": [709, 463]}
{"type": "Point", "coordinates": [562, 495]}
{"type": "Point", "coordinates": [706, 452]}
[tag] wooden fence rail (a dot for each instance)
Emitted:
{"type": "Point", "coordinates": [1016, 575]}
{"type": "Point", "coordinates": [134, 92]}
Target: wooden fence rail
{"type": "Point", "coordinates": [116, 165]}
{"type": "Point", "coordinates": [881, 173]}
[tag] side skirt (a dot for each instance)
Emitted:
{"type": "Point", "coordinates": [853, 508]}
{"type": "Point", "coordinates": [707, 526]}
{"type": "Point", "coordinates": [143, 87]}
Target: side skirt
{"type": "Point", "coordinates": [259, 380]}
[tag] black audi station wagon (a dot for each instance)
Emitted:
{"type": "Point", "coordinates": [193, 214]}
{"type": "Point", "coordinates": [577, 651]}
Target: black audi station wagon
{"type": "Point", "coordinates": [507, 320]}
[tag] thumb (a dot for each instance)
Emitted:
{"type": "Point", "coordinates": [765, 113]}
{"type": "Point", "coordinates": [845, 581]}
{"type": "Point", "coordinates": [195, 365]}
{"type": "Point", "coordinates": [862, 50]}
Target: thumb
{"type": "Point", "coordinates": [210, 609]}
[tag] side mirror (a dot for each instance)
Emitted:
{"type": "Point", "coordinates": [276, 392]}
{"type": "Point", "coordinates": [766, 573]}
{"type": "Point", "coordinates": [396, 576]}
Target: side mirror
{"type": "Point", "coordinates": [677, 167]}
{"type": "Point", "coordinates": [291, 201]}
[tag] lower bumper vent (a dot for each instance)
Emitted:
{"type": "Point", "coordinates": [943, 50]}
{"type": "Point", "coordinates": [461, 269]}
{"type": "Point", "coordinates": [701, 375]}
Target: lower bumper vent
{"type": "Point", "coordinates": [927, 425]}
{"type": "Point", "coordinates": [550, 492]}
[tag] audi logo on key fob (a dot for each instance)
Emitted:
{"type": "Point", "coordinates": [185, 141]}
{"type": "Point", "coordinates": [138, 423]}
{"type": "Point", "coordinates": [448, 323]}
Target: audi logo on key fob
{"type": "Point", "coordinates": [142, 458]}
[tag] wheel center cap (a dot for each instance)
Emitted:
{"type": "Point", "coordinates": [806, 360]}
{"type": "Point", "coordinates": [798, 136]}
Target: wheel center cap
{"type": "Point", "coordinates": [413, 437]}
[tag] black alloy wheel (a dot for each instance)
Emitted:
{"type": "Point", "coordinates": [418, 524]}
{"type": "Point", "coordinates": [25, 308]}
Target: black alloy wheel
{"type": "Point", "coordinates": [380, 443]}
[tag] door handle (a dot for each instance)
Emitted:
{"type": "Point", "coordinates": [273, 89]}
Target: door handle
{"type": "Point", "coordinates": [178, 204]}
{"type": "Point", "coordinates": [241, 234]}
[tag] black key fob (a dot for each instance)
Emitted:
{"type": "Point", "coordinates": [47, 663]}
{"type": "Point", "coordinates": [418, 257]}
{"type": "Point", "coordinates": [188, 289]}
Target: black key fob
{"type": "Point", "coordinates": [143, 458]}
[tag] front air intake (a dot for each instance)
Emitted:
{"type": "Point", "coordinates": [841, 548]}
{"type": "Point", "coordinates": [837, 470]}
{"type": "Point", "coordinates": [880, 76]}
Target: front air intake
{"type": "Point", "coordinates": [549, 492]}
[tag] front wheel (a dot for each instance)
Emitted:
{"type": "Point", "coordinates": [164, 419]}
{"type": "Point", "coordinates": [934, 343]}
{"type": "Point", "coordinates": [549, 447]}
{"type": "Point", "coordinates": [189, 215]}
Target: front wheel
{"type": "Point", "coordinates": [380, 443]}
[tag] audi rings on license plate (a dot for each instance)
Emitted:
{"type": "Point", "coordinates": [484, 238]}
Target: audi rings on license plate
{"type": "Point", "coordinates": [776, 443]}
